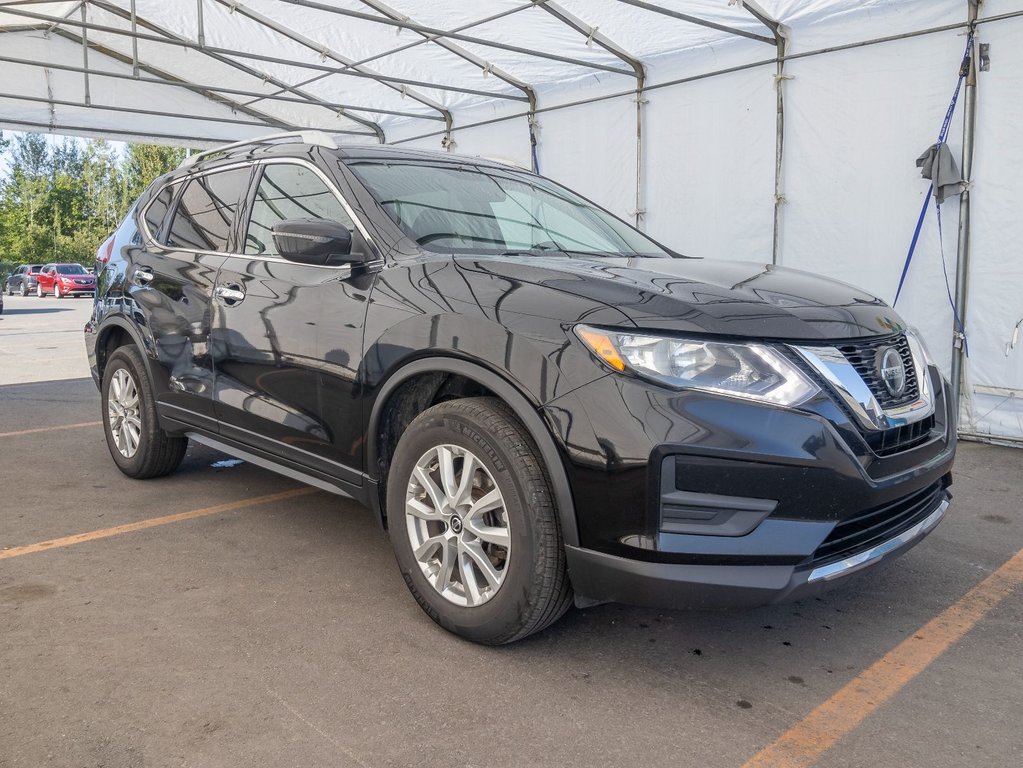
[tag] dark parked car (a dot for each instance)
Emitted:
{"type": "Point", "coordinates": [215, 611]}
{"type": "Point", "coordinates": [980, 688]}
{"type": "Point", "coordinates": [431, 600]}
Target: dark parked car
{"type": "Point", "coordinates": [23, 279]}
{"type": "Point", "coordinates": [537, 400]}
{"type": "Point", "coordinates": [65, 280]}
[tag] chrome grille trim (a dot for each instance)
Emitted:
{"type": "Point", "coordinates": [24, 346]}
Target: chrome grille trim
{"type": "Point", "coordinates": [835, 368]}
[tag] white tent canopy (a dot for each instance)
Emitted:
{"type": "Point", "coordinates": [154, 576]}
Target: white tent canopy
{"type": "Point", "coordinates": [776, 131]}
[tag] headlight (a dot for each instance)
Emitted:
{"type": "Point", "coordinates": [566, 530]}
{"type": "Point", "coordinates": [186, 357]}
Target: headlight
{"type": "Point", "coordinates": [751, 371]}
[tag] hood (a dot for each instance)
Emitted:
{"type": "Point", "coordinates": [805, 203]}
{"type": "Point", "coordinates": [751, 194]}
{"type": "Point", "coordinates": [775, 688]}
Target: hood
{"type": "Point", "coordinates": [727, 298]}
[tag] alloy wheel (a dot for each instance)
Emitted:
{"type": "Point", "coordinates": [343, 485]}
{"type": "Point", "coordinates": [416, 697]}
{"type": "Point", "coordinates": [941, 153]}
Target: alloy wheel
{"type": "Point", "coordinates": [123, 413]}
{"type": "Point", "coordinates": [457, 525]}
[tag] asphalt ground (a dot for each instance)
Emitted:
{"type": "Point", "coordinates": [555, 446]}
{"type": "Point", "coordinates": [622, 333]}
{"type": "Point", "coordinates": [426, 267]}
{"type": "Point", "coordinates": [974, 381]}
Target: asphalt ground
{"type": "Point", "coordinates": [200, 623]}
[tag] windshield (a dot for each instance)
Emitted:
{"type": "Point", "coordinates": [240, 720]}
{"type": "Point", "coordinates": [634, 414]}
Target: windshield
{"type": "Point", "coordinates": [482, 209]}
{"type": "Point", "coordinates": [71, 269]}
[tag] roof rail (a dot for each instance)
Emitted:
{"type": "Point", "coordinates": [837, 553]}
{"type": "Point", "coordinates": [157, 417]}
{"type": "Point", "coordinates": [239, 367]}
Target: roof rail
{"type": "Point", "coordinates": [318, 138]}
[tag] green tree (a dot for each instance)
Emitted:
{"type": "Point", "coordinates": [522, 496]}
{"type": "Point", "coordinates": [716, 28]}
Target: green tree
{"type": "Point", "coordinates": [142, 164]}
{"type": "Point", "coordinates": [60, 202]}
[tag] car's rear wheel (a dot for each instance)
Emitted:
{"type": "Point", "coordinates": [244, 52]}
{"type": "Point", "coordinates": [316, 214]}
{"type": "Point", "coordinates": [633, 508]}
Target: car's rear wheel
{"type": "Point", "coordinates": [39, 290]}
{"type": "Point", "coordinates": [473, 524]}
{"type": "Point", "coordinates": [24, 289]}
{"type": "Point", "coordinates": [137, 444]}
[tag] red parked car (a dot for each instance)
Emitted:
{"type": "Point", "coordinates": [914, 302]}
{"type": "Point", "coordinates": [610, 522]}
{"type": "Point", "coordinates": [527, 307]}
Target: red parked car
{"type": "Point", "coordinates": [65, 280]}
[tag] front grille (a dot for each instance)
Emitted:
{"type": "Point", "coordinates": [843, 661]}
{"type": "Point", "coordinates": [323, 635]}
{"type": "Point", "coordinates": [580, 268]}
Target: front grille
{"type": "Point", "coordinates": [877, 525]}
{"type": "Point", "coordinates": [862, 355]}
{"type": "Point", "coordinates": [897, 439]}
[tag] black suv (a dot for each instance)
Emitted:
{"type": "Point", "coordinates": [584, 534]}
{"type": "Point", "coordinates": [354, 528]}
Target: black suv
{"type": "Point", "coordinates": [538, 401]}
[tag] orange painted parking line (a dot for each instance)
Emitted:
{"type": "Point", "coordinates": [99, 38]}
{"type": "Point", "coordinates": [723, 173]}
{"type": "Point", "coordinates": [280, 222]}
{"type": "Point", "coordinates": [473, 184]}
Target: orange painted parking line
{"type": "Point", "coordinates": [804, 743]}
{"type": "Point", "coordinates": [104, 533]}
{"type": "Point", "coordinates": [51, 429]}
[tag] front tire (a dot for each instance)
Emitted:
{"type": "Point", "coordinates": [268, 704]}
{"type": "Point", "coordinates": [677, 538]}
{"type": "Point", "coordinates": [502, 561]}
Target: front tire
{"type": "Point", "coordinates": [137, 444]}
{"type": "Point", "coordinates": [473, 524]}
{"type": "Point", "coordinates": [56, 292]}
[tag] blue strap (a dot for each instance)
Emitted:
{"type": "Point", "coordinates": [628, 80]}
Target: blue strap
{"type": "Point", "coordinates": [964, 69]}
{"type": "Point", "coordinates": [912, 245]}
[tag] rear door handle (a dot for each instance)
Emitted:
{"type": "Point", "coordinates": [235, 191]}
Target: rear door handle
{"type": "Point", "coordinates": [229, 294]}
{"type": "Point", "coordinates": [143, 276]}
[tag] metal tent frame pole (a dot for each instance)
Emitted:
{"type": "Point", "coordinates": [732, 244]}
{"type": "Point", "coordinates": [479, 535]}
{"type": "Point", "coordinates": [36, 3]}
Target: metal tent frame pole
{"type": "Point", "coordinates": [963, 249]}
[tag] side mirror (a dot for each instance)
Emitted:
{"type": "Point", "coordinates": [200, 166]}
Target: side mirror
{"type": "Point", "coordinates": [314, 241]}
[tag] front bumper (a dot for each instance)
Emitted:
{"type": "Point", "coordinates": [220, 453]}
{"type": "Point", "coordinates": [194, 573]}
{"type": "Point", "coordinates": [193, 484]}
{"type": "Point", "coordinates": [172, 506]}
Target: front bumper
{"type": "Point", "coordinates": [598, 577]}
{"type": "Point", "coordinates": [78, 290]}
{"type": "Point", "coordinates": [699, 501]}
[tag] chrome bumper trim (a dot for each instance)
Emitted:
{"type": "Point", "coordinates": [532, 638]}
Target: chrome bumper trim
{"type": "Point", "coordinates": [875, 553]}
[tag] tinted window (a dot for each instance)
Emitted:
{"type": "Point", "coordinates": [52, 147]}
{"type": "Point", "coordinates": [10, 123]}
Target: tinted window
{"type": "Point", "coordinates": [289, 192]}
{"type": "Point", "coordinates": [206, 210]}
{"type": "Point", "coordinates": [71, 269]}
{"type": "Point", "coordinates": [157, 210]}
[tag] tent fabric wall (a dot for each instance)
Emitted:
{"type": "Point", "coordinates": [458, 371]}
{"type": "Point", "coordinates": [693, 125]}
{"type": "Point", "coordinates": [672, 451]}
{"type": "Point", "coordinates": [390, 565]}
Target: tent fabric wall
{"type": "Point", "coordinates": [855, 120]}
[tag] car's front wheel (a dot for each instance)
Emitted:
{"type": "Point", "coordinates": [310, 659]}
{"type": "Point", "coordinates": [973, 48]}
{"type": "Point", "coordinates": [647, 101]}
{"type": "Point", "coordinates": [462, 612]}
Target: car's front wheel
{"type": "Point", "coordinates": [137, 444]}
{"type": "Point", "coordinates": [473, 523]}
{"type": "Point", "coordinates": [56, 292]}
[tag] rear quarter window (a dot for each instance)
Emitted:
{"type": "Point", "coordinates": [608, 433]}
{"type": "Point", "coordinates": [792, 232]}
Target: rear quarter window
{"type": "Point", "coordinates": [156, 212]}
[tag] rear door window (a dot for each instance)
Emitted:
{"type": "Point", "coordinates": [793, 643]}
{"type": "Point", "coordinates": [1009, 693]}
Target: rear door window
{"type": "Point", "coordinates": [288, 191]}
{"type": "Point", "coordinates": [206, 210]}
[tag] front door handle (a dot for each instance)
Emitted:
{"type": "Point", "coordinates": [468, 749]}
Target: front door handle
{"type": "Point", "coordinates": [143, 276]}
{"type": "Point", "coordinates": [229, 294]}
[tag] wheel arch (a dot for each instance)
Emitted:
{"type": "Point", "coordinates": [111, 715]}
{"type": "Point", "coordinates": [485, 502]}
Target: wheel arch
{"type": "Point", "coordinates": [116, 332]}
{"type": "Point", "coordinates": [520, 404]}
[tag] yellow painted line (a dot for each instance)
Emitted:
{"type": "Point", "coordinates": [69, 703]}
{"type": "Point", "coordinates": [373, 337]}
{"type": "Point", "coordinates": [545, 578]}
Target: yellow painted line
{"type": "Point", "coordinates": [804, 743]}
{"type": "Point", "coordinates": [51, 429]}
{"type": "Point", "coordinates": [152, 522]}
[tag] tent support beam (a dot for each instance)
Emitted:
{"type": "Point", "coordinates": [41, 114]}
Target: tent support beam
{"type": "Point", "coordinates": [181, 42]}
{"type": "Point", "coordinates": [698, 21]}
{"type": "Point", "coordinates": [209, 91]}
{"type": "Point", "coordinates": [85, 130]}
{"type": "Point", "coordinates": [166, 33]}
{"type": "Point", "coordinates": [779, 147]}
{"type": "Point", "coordinates": [729, 70]}
{"type": "Point", "coordinates": [472, 58]}
{"type": "Point", "coordinates": [963, 249]}
{"type": "Point", "coordinates": [593, 35]}
{"type": "Point", "coordinates": [421, 41]}
{"type": "Point", "coordinates": [434, 32]}
{"type": "Point", "coordinates": [138, 110]}
{"type": "Point", "coordinates": [85, 56]}
{"type": "Point", "coordinates": [134, 41]}
{"type": "Point", "coordinates": [325, 52]}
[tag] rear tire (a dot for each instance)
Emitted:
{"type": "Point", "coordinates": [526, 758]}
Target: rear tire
{"type": "Point", "coordinates": [24, 289]}
{"type": "Point", "coordinates": [475, 585]}
{"type": "Point", "coordinates": [39, 291]}
{"type": "Point", "coordinates": [137, 444]}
